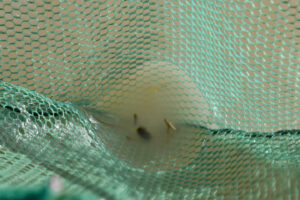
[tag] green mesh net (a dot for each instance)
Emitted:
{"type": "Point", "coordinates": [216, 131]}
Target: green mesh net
{"type": "Point", "coordinates": [149, 99]}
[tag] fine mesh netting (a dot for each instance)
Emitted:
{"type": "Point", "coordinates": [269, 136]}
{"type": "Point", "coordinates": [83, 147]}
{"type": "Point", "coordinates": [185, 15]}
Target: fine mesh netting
{"type": "Point", "coordinates": [150, 99]}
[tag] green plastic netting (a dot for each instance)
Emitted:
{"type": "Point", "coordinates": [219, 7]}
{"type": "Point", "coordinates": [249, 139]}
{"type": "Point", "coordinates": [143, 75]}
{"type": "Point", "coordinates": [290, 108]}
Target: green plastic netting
{"type": "Point", "coordinates": [150, 99]}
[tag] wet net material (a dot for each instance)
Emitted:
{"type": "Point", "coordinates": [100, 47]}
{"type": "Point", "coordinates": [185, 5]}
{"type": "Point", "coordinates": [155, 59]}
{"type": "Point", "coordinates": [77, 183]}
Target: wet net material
{"type": "Point", "coordinates": [150, 99]}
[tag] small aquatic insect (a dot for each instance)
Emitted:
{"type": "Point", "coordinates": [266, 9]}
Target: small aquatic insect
{"type": "Point", "coordinates": [143, 133]}
{"type": "Point", "coordinates": [135, 118]}
{"type": "Point", "coordinates": [169, 125]}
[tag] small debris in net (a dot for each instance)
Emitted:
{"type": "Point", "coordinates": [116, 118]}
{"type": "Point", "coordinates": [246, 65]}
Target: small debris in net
{"type": "Point", "coordinates": [143, 133]}
{"type": "Point", "coordinates": [169, 125]}
{"type": "Point", "coordinates": [135, 118]}
{"type": "Point", "coordinates": [56, 184]}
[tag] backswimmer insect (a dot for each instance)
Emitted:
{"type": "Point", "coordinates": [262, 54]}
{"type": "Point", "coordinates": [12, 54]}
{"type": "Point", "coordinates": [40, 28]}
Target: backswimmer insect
{"type": "Point", "coordinates": [169, 125]}
{"type": "Point", "coordinates": [135, 118]}
{"type": "Point", "coordinates": [142, 132]}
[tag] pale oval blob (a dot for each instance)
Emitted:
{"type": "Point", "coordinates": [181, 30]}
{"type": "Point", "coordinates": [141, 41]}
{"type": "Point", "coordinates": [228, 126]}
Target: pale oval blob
{"type": "Point", "coordinates": [159, 97]}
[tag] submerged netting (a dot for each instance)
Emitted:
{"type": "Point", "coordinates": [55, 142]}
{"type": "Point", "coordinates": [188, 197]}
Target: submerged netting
{"type": "Point", "coordinates": [150, 99]}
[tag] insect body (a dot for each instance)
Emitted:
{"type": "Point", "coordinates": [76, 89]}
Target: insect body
{"type": "Point", "coordinates": [141, 131]}
{"type": "Point", "coordinates": [135, 118]}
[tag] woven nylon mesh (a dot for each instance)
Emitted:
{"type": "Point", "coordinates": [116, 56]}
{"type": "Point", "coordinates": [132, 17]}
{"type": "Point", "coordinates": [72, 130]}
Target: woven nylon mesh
{"type": "Point", "coordinates": [78, 78]}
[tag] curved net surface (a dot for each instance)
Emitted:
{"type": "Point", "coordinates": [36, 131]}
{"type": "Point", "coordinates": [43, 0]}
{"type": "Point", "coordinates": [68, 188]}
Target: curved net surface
{"type": "Point", "coordinates": [151, 99]}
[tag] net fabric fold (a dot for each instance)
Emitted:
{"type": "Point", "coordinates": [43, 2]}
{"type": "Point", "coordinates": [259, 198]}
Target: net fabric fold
{"type": "Point", "coordinates": [230, 69]}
